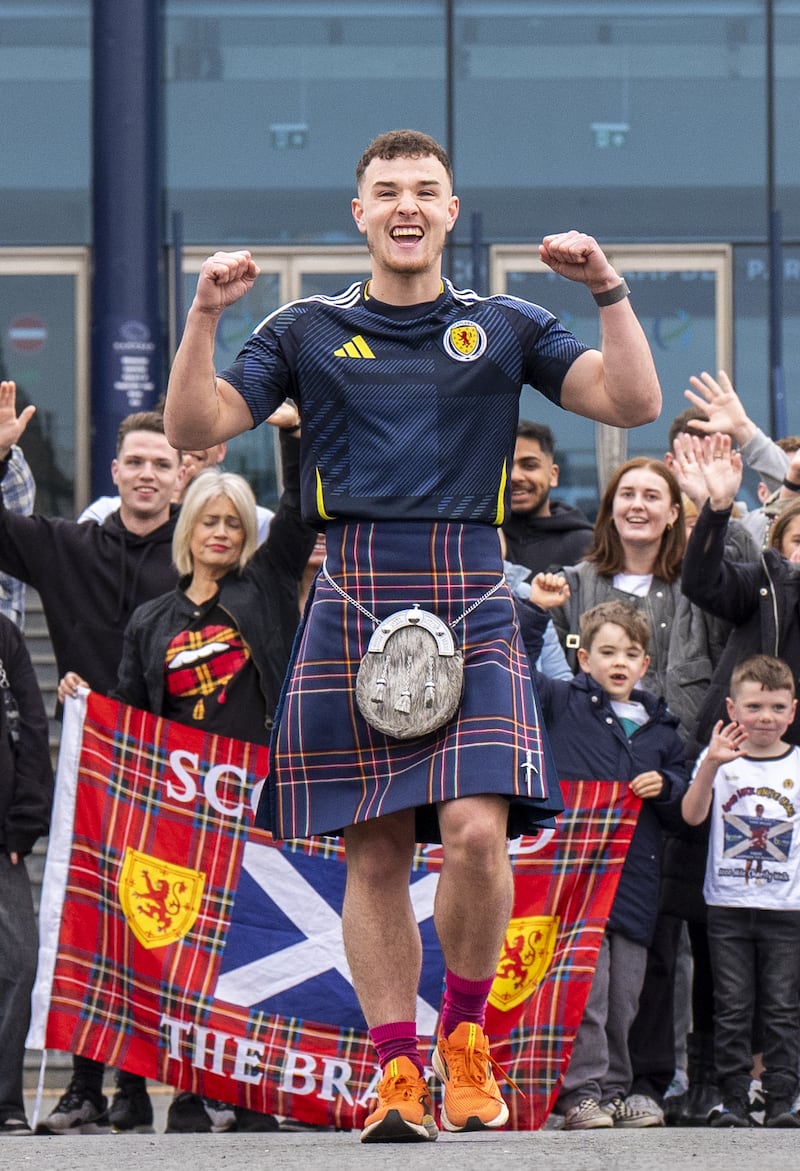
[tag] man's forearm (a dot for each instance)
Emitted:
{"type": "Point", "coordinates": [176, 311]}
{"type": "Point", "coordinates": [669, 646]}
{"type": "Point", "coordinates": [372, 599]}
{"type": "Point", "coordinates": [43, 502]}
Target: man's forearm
{"type": "Point", "coordinates": [192, 415]}
{"type": "Point", "coordinates": [764, 456]}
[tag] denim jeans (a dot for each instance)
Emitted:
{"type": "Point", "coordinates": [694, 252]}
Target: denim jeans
{"type": "Point", "coordinates": [19, 944]}
{"type": "Point", "coordinates": [755, 959]}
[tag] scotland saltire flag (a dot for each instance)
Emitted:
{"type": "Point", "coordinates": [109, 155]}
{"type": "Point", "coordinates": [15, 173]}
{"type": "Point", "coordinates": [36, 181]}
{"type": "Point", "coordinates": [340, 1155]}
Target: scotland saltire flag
{"type": "Point", "coordinates": [182, 944]}
{"type": "Point", "coordinates": [284, 947]}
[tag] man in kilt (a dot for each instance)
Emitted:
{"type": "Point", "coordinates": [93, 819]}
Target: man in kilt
{"type": "Point", "coordinates": [408, 390]}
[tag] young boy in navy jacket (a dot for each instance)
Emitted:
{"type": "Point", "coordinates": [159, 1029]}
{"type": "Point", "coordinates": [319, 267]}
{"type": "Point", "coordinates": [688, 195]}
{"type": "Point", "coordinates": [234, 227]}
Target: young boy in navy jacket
{"type": "Point", "coordinates": [602, 727]}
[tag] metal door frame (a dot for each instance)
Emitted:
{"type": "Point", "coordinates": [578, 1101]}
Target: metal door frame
{"type": "Point", "coordinates": [75, 262]}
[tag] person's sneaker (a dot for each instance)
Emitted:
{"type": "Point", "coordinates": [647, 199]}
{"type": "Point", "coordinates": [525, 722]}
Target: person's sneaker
{"type": "Point", "coordinates": [781, 1113]}
{"type": "Point", "coordinates": [299, 1126]}
{"type": "Point", "coordinates": [472, 1099]}
{"type": "Point", "coordinates": [730, 1112]}
{"type": "Point", "coordinates": [14, 1127]}
{"type": "Point", "coordinates": [757, 1103]}
{"type": "Point", "coordinates": [704, 1096]}
{"type": "Point", "coordinates": [131, 1110]}
{"type": "Point", "coordinates": [587, 1115]}
{"type": "Point", "coordinates": [222, 1115]}
{"type": "Point", "coordinates": [250, 1121]}
{"type": "Point", "coordinates": [78, 1111]}
{"type": "Point", "coordinates": [404, 1112]}
{"type": "Point", "coordinates": [554, 1121]}
{"type": "Point", "coordinates": [675, 1098]}
{"type": "Point", "coordinates": [635, 1111]}
{"type": "Point", "coordinates": [187, 1115]}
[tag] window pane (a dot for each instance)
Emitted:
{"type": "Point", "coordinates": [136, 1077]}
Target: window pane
{"type": "Point", "coordinates": [288, 95]}
{"type": "Point", "coordinates": [37, 316]}
{"type": "Point", "coordinates": [628, 120]}
{"type": "Point", "coordinates": [45, 119]}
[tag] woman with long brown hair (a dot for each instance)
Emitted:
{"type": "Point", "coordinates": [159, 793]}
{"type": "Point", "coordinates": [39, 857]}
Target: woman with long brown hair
{"type": "Point", "coordinates": [636, 557]}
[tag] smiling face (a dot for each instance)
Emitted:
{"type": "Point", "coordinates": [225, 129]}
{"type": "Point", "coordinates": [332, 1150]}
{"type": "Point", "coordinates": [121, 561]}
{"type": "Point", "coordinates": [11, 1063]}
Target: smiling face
{"type": "Point", "coordinates": [146, 473]}
{"type": "Point", "coordinates": [533, 474]}
{"type": "Point", "coordinates": [764, 714]}
{"type": "Point", "coordinates": [643, 507]}
{"type": "Point", "coordinates": [217, 538]}
{"type": "Point", "coordinates": [405, 208]}
{"type": "Point", "coordinates": [614, 661]}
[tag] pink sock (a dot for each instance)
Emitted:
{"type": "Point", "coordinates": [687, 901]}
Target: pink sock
{"type": "Point", "coordinates": [464, 1000]}
{"type": "Point", "coordinates": [397, 1039]}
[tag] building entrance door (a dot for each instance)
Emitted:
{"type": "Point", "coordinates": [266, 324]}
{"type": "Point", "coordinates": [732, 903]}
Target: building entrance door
{"type": "Point", "coordinates": [44, 339]}
{"type": "Point", "coordinates": [286, 275]}
{"type": "Point", "coordinates": [683, 298]}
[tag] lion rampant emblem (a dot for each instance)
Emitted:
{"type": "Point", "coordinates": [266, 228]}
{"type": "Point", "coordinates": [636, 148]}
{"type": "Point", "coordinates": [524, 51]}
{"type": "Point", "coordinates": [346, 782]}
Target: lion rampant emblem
{"type": "Point", "coordinates": [527, 952]}
{"type": "Point", "coordinates": [160, 899]}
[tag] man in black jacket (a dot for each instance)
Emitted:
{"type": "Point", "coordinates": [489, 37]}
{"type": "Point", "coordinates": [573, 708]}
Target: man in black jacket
{"type": "Point", "coordinates": [91, 577]}
{"type": "Point", "coordinates": [541, 533]}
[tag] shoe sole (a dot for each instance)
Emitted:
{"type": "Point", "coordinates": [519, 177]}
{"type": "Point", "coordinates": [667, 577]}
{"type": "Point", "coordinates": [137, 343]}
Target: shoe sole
{"type": "Point", "coordinates": [86, 1128]}
{"type": "Point", "coordinates": [588, 1125]}
{"type": "Point", "coordinates": [639, 1124]}
{"type": "Point", "coordinates": [393, 1128]}
{"type": "Point", "coordinates": [473, 1123]}
{"type": "Point", "coordinates": [141, 1129]}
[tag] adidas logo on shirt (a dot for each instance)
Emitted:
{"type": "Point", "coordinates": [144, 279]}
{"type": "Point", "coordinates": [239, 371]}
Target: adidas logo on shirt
{"type": "Point", "coordinates": [355, 348]}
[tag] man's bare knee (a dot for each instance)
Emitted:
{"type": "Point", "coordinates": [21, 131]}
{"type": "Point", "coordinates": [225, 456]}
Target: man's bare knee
{"type": "Point", "coordinates": [474, 833]}
{"type": "Point", "coordinates": [379, 849]}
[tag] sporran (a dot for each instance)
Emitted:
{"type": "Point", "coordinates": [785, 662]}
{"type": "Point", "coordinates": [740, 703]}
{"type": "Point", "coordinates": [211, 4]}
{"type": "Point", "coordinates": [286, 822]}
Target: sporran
{"type": "Point", "coordinates": [411, 677]}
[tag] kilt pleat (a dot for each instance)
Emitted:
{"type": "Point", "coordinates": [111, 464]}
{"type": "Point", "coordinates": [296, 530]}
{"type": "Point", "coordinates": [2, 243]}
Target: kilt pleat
{"type": "Point", "coordinates": [329, 768]}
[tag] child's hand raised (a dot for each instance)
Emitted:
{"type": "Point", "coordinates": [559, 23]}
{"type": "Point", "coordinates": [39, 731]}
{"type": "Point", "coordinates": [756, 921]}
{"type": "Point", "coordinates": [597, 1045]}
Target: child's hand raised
{"type": "Point", "coordinates": [549, 590]}
{"type": "Point", "coordinates": [726, 743]}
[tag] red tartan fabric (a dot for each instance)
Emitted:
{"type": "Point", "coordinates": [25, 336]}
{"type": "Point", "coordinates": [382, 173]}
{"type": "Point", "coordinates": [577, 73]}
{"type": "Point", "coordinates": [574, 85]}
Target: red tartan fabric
{"type": "Point", "coordinates": [330, 768]}
{"type": "Point", "coordinates": [153, 805]}
{"type": "Point", "coordinates": [198, 662]}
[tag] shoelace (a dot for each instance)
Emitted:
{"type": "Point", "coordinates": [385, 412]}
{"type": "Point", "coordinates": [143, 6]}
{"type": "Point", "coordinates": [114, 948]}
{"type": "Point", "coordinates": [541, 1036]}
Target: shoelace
{"type": "Point", "coordinates": [472, 1069]}
{"type": "Point", "coordinates": [398, 1086]}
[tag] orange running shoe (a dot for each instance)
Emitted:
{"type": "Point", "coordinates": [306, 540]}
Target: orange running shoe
{"type": "Point", "coordinates": [472, 1100]}
{"type": "Point", "coordinates": [405, 1111]}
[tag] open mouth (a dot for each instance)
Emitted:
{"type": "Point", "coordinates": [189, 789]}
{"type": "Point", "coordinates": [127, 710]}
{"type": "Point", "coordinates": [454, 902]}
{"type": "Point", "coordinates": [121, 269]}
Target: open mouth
{"type": "Point", "coordinates": [410, 232]}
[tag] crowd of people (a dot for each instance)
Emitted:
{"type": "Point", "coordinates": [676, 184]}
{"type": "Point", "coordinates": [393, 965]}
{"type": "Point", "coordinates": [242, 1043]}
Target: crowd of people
{"type": "Point", "coordinates": [662, 638]}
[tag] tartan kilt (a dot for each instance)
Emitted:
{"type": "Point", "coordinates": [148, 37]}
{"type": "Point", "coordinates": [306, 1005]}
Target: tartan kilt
{"type": "Point", "coordinates": [329, 768]}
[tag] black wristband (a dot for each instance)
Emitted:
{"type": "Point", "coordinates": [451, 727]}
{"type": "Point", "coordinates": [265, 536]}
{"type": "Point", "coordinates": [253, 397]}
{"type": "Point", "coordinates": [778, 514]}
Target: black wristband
{"type": "Point", "coordinates": [791, 487]}
{"type": "Point", "coordinates": [611, 296]}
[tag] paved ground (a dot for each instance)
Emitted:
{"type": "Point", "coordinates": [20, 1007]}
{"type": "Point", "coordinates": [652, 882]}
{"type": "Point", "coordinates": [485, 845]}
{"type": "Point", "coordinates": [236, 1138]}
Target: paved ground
{"type": "Point", "coordinates": [655, 1150]}
{"type": "Point", "coordinates": [642, 1150]}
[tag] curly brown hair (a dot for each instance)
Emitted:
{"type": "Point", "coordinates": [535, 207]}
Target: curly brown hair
{"type": "Point", "coordinates": [403, 144]}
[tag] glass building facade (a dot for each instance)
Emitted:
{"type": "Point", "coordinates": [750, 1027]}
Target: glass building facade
{"type": "Point", "coordinates": [665, 129]}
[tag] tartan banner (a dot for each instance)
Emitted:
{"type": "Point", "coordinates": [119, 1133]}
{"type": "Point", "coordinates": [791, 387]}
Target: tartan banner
{"type": "Point", "coordinates": [180, 943]}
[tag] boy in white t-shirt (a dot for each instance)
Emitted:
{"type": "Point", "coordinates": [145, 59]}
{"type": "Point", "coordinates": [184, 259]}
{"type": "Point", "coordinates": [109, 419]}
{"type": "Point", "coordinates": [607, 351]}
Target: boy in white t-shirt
{"type": "Point", "coordinates": [749, 778]}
